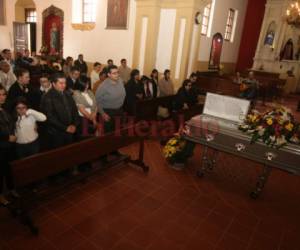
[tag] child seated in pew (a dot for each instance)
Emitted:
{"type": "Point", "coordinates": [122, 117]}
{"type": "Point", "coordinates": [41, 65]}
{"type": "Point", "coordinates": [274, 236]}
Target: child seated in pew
{"type": "Point", "coordinates": [27, 142]}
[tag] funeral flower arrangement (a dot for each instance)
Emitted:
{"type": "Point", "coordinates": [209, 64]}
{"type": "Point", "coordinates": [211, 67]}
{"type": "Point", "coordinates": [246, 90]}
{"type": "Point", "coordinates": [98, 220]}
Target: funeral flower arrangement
{"type": "Point", "coordinates": [275, 128]}
{"type": "Point", "coordinates": [178, 150]}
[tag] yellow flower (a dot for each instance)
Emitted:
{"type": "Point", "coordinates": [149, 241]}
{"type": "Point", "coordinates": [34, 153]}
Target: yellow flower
{"type": "Point", "coordinates": [269, 121]}
{"type": "Point", "coordinates": [289, 126]}
{"type": "Point", "coordinates": [253, 118]}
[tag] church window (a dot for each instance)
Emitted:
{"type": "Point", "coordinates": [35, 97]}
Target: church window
{"type": "Point", "coordinates": [30, 15]}
{"type": "Point", "coordinates": [89, 11]}
{"type": "Point", "coordinates": [205, 20]}
{"type": "Point", "coordinates": [2, 12]}
{"type": "Point", "coordinates": [230, 25]}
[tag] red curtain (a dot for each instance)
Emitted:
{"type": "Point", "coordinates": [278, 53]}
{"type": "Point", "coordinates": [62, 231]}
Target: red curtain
{"type": "Point", "coordinates": [252, 26]}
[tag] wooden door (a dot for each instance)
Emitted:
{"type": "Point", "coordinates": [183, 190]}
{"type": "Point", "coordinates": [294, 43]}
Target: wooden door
{"type": "Point", "coordinates": [20, 36]}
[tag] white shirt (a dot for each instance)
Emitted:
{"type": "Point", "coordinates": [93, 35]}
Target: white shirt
{"type": "Point", "coordinates": [7, 79]}
{"type": "Point", "coordinates": [26, 126]}
{"type": "Point", "coordinates": [94, 77]}
{"type": "Point", "coordinates": [89, 101]}
{"type": "Point", "coordinates": [150, 88]}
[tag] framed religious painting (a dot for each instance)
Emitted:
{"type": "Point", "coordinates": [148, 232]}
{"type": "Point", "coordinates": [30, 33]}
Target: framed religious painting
{"type": "Point", "coordinates": [117, 14]}
{"type": "Point", "coordinates": [2, 12]}
{"type": "Point", "coordinates": [53, 19]}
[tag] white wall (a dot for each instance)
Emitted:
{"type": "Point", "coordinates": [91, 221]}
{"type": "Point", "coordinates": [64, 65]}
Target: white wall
{"type": "Point", "coordinates": [99, 44]}
{"type": "Point", "coordinates": [230, 49]}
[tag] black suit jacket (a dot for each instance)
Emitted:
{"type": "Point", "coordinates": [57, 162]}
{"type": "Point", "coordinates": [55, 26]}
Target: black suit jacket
{"type": "Point", "coordinates": [70, 83]}
{"type": "Point", "coordinates": [81, 66]}
{"type": "Point", "coordinates": [132, 89]}
{"type": "Point", "coordinates": [59, 114]}
{"type": "Point", "coordinates": [16, 91]}
{"type": "Point", "coordinates": [154, 94]}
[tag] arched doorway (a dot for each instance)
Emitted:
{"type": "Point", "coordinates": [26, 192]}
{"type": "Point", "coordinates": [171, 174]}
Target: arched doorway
{"type": "Point", "coordinates": [216, 51]}
{"type": "Point", "coordinates": [25, 25]}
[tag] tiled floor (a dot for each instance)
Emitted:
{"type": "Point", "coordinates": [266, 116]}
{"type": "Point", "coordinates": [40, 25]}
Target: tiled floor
{"type": "Point", "coordinates": [165, 209]}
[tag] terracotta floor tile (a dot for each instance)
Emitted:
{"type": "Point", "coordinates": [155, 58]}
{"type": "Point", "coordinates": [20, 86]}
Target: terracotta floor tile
{"type": "Point", "coordinates": [53, 227]}
{"type": "Point", "coordinates": [240, 232]}
{"type": "Point", "coordinates": [162, 243]}
{"type": "Point", "coordinates": [124, 224]}
{"type": "Point", "coordinates": [230, 243]}
{"type": "Point", "coordinates": [86, 245]}
{"type": "Point", "coordinates": [68, 240]}
{"type": "Point", "coordinates": [125, 244]}
{"type": "Point", "coordinates": [261, 242]}
{"type": "Point", "coordinates": [89, 226]}
{"type": "Point", "coordinates": [142, 236]}
{"type": "Point", "coordinates": [105, 239]}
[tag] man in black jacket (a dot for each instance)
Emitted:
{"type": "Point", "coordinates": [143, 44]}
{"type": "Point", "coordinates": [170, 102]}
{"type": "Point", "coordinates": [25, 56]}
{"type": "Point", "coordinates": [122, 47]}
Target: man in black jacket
{"type": "Point", "coordinates": [62, 113]}
{"type": "Point", "coordinates": [7, 138]}
{"type": "Point", "coordinates": [22, 88]}
{"type": "Point", "coordinates": [72, 79]}
{"type": "Point", "coordinates": [81, 65]}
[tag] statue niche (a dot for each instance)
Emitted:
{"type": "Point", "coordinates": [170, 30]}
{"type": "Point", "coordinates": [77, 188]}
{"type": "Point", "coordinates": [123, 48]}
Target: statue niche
{"type": "Point", "coordinates": [52, 39]}
{"type": "Point", "coordinates": [269, 39]}
{"type": "Point", "coordinates": [287, 53]}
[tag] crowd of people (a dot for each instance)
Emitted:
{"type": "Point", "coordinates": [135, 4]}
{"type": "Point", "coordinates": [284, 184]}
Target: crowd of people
{"type": "Point", "coordinates": [69, 102]}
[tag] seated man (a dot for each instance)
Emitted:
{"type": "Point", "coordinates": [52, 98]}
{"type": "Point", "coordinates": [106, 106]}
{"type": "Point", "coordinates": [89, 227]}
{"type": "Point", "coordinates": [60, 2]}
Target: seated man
{"type": "Point", "coordinates": [249, 87]}
{"type": "Point", "coordinates": [7, 77]}
{"type": "Point", "coordinates": [81, 65]}
{"type": "Point", "coordinates": [72, 78]}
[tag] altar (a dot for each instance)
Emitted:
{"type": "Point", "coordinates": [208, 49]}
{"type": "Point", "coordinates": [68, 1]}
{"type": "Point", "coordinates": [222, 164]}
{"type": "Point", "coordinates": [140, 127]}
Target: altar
{"type": "Point", "coordinates": [278, 48]}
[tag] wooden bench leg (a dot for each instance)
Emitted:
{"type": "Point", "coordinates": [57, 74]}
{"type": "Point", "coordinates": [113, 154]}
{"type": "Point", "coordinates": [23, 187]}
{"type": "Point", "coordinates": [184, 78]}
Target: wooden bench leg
{"type": "Point", "coordinates": [18, 209]}
{"type": "Point", "coordinates": [140, 161]}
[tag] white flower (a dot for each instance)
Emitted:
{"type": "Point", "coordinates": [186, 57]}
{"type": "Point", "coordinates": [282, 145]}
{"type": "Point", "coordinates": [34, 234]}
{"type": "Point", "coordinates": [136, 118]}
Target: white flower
{"type": "Point", "coordinates": [272, 138]}
{"type": "Point", "coordinates": [295, 139]}
{"type": "Point", "coordinates": [261, 130]}
{"type": "Point", "coordinates": [281, 140]}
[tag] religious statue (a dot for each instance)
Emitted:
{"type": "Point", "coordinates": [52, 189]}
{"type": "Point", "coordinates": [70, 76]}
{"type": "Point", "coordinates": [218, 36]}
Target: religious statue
{"type": "Point", "coordinates": [288, 51]}
{"type": "Point", "coordinates": [54, 39]}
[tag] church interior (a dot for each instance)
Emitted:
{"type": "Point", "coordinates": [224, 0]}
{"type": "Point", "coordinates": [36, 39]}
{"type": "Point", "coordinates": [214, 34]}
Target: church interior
{"type": "Point", "coordinates": [150, 124]}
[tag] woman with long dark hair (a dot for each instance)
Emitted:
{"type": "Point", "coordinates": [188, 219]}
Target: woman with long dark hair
{"type": "Point", "coordinates": [134, 91]}
{"type": "Point", "coordinates": [185, 97]}
{"type": "Point", "coordinates": [87, 107]}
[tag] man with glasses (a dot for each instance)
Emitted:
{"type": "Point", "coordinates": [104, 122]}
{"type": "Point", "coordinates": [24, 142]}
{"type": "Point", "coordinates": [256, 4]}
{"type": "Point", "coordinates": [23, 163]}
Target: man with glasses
{"type": "Point", "coordinates": [110, 97]}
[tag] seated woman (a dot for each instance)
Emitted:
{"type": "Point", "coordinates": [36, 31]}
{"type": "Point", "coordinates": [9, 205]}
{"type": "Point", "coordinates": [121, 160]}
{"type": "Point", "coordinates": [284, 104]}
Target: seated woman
{"type": "Point", "coordinates": [27, 143]}
{"type": "Point", "coordinates": [87, 107]}
{"type": "Point", "coordinates": [134, 91]}
{"type": "Point", "coordinates": [238, 79]}
{"type": "Point", "coordinates": [185, 97]}
{"type": "Point", "coordinates": [7, 140]}
{"type": "Point", "coordinates": [149, 87]}
{"type": "Point", "coordinates": [249, 87]}
{"type": "Point", "coordinates": [166, 85]}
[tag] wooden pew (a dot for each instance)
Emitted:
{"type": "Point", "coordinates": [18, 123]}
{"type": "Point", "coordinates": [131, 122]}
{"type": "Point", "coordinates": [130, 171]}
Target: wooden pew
{"type": "Point", "coordinates": [40, 166]}
{"type": "Point", "coordinates": [217, 85]}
